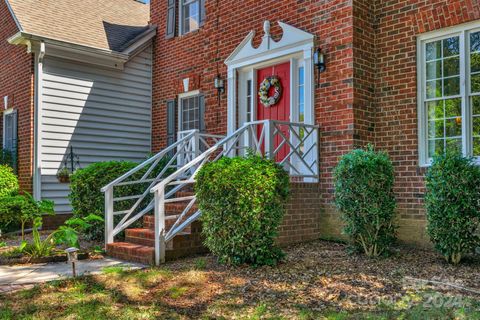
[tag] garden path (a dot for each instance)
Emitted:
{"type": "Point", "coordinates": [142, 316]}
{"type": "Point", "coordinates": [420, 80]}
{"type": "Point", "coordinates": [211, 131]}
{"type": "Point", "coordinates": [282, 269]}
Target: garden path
{"type": "Point", "coordinates": [13, 278]}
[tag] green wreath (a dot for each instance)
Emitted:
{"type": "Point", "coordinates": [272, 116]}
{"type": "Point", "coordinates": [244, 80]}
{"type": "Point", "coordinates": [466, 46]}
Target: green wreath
{"type": "Point", "coordinates": [265, 86]}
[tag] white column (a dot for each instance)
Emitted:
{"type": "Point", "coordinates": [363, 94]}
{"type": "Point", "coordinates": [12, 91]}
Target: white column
{"type": "Point", "coordinates": [310, 106]}
{"type": "Point", "coordinates": [231, 104]}
{"type": "Point", "coordinates": [108, 216]}
{"type": "Point", "coordinates": [159, 201]}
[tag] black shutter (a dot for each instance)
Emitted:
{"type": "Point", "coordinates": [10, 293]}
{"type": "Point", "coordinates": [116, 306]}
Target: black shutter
{"type": "Point", "coordinates": [171, 17]}
{"type": "Point", "coordinates": [171, 116]}
{"type": "Point", "coordinates": [201, 113]}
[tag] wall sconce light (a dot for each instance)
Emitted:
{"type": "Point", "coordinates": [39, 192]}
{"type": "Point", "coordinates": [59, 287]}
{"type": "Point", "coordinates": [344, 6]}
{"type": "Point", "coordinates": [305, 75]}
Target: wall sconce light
{"type": "Point", "coordinates": [219, 85]}
{"type": "Point", "coordinates": [319, 62]}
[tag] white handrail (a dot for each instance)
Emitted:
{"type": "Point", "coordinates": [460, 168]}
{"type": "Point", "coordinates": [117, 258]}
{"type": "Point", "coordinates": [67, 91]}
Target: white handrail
{"type": "Point", "coordinates": [142, 203]}
{"type": "Point", "coordinates": [149, 161]}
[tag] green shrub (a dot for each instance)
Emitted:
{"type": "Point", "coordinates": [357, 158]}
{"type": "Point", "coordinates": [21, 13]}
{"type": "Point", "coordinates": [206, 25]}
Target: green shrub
{"type": "Point", "coordinates": [364, 194]}
{"type": "Point", "coordinates": [453, 205]}
{"type": "Point", "coordinates": [86, 197]}
{"type": "Point", "coordinates": [242, 202]}
{"type": "Point", "coordinates": [8, 181]}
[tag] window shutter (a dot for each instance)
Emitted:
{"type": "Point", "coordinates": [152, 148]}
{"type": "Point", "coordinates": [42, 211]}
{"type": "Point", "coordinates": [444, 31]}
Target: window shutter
{"type": "Point", "coordinates": [171, 115]}
{"type": "Point", "coordinates": [201, 113]}
{"type": "Point", "coordinates": [201, 5]}
{"type": "Point", "coordinates": [171, 17]}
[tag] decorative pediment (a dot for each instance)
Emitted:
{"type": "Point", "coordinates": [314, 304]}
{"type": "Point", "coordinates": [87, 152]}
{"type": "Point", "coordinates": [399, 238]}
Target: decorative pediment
{"type": "Point", "coordinates": [292, 37]}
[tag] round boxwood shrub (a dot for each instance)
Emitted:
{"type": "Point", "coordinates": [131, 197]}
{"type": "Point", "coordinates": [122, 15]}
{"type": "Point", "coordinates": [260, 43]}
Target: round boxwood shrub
{"type": "Point", "coordinates": [8, 181]}
{"type": "Point", "coordinates": [242, 202]}
{"type": "Point", "coordinates": [364, 194]}
{"type": "Point", "coordinates": [453, 205]}
{"type": "Point", "coordinates": [86, 197]}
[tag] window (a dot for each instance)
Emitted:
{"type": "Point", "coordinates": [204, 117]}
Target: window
{"type": "Point", "coordinates": [301, 103]}
{"type": "Point", "coordinates": [192, 15]}
{"type": "Point", "coordinates": [191, 113]}
{"type": "Point", "coordinates": [10, 131]}
{"type": "Point", "coordinates": [249, 101]}
{"type": "Point", "coordinates": [449, 91]}
{"type": "Point", "coordinates": [9, 154]}
{"type": "Point", "coordinates": [301, 94]}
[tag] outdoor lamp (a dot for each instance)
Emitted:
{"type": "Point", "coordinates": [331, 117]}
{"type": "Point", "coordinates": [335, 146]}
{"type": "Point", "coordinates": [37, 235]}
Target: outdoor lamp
{"type": "Point", "coordinates": [218, 83]}
{"type": "Point", "coordinates": [319, 62]}
{"type": "Point", "coordinates": [72, 256]}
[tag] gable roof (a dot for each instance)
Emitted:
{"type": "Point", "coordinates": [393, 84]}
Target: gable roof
{"type": "Point", "coordinates": [103, 24]}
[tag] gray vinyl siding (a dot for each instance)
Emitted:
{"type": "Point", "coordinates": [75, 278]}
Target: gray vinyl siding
{"type": "Point", "coordinates": [104, 114]}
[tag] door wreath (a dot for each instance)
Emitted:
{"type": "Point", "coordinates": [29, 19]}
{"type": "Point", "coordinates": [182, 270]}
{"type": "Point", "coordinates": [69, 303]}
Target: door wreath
{"type": "Point", "coordinates": [265, 86]}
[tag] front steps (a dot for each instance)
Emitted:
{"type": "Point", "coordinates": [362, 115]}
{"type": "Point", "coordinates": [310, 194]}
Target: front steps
{"type": "Point", "coordinates": [138, 245]}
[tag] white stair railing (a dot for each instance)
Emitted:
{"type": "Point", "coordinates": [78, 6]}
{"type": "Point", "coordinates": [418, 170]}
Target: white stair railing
{"type": "Point", "coordinates": [146, 175]}
{"type": "Point", "coordinates": [293, 145]}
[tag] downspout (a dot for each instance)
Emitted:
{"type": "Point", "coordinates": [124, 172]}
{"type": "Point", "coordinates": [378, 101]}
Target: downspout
{"type": "Point", "coordinates": [37, 161]}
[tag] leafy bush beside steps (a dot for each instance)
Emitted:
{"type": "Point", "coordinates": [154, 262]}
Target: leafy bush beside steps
{"type": "Point", "coordinates": [242, 202]}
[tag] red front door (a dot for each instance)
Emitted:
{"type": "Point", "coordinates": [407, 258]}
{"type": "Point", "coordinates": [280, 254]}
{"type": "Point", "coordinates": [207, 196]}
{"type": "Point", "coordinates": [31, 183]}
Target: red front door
{"type": "Point", "coordinates": [281, 110]}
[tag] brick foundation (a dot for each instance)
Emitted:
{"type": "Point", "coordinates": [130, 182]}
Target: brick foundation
{"type": "Point", "coordinates": [301, 220]}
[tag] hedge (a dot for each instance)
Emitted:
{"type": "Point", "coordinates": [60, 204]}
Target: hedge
{"type": "Point", "coordinates": [86, 197]}
{"type": "Point", "coordinates": [453, 205]}
{"type": "Point", "coordinates": [242, 202]}
{"type": "Point", "coordinates": [364, 194]}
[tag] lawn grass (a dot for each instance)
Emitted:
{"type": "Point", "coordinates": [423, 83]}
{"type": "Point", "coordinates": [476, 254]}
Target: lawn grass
{"type": "Point", "coordinates": [317, 281]}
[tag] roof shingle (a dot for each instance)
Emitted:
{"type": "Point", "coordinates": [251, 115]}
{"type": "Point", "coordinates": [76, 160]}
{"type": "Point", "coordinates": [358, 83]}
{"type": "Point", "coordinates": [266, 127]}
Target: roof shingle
{"type": "Point", "coordinates": [104, 24]}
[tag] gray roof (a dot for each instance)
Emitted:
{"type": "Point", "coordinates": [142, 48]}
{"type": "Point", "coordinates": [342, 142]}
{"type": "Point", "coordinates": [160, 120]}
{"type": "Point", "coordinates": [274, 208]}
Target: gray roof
{"type": "Point", "coordinates": [103, 24]}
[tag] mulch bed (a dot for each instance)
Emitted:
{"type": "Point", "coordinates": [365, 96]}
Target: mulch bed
{"type": "Point", "coordinates": [323, 275]}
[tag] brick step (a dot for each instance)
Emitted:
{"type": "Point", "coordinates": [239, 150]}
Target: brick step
{"type": "Point", "coordinates": [180, 194]}
{"type": "Point", "coordinates": [144, 237]}
{"type": "Point", "coordinates": [178, 207]}
{"type": "Point", "coordinates": [149, 222]}
{"type": "Point", "coordinates": [181, 246]}
{"type": "Point", "coordinates": [131, 252]}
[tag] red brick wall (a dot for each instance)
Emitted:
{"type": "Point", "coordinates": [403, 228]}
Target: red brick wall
{"type": "Point", "coordinates": [399, 22]}
{"type": "Point", "coordinates": [364, 72]}
{"type": "Point", "coordinates": [302, 217]}
{"type": "Point", "coordinates": [367, 94]}
{"type": "Point", "coordinates": [194, 55]}
{"type": "Point", "coordinates": [16, 81]}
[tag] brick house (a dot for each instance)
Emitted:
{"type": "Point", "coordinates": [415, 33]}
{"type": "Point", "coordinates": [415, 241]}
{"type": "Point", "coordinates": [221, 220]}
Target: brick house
{"type": "Point", "coordinates": [75, 77]}
{"type": "Point", "coordinates": [399, 75]}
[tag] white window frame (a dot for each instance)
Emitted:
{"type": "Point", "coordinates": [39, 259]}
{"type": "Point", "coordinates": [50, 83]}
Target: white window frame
{"type": "Point", "coordinates": [183, 96]}
{"type": "Point", "coordinates": [463, 32]}
{"type": "Point", "coordinates": [182, 3]}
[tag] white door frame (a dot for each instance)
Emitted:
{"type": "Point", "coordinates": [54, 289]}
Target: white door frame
{"type": "Point", "coordinates": [295, 46]}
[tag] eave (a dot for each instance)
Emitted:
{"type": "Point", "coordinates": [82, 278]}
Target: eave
{"type": "Point", "coordinates": [81, 53]}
